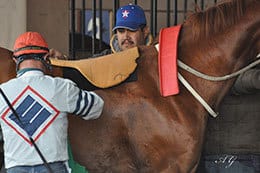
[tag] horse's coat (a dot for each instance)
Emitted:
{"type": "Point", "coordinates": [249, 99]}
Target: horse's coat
{"type": "Point", "coordinates": [140, 131]}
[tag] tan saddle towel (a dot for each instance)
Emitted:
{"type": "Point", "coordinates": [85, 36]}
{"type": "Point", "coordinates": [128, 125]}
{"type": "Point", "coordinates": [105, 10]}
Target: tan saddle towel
{"type": "Point", "coordinates": [104, 71]}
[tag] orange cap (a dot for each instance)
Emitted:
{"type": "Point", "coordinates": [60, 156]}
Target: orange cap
{"type": "Point", "coordinates": [30, 43]}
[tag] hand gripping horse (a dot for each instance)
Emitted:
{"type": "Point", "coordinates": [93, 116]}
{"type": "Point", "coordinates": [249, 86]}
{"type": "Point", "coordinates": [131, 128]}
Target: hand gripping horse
{"type": "Point", "coordinates": [141, 131]}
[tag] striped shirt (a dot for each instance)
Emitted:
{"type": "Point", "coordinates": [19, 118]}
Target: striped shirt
{"type": "Point", "coordinates": [42, 103]}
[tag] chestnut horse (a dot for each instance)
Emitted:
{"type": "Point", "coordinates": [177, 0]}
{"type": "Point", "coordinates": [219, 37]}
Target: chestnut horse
{"type": "Point", "coordinates": [141, 131]}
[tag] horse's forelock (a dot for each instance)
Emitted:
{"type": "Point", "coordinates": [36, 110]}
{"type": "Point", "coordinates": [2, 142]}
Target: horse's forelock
{"type": "Point", "coordinates": [216, 19]}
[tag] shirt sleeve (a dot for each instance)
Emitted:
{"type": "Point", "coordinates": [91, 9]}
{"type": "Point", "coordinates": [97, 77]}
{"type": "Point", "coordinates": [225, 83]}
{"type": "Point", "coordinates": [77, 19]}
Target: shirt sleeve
{"type": "Point", "coordinates": [247, 83]}
{"type": "Point", "coordinates": [83, 103]}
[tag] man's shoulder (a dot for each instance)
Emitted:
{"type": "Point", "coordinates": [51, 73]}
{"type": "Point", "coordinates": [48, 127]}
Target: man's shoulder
{"type": "Point", "coordinates": [104, 52]}
{"type": "Point", "coordinates": [59, 80]}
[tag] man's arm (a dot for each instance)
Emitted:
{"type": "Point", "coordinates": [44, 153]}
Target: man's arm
{"type": "Point", "coordinates": [248, 82]}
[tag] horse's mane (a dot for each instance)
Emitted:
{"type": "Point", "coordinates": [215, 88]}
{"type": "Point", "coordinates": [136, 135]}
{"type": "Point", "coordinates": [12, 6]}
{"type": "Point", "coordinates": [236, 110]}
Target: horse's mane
{"type": "Point", "coordinates": [216, 19]}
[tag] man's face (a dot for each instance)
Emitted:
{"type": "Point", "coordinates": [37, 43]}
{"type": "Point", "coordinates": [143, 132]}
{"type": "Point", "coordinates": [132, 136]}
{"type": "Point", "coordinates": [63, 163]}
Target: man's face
{"type": "Point", "coordinates": [128, 39]}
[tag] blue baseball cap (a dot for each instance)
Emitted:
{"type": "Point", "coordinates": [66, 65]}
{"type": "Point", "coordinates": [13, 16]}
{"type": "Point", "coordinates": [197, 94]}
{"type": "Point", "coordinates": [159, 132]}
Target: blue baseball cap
{"type": "Point", "coordinates": [130, 17]}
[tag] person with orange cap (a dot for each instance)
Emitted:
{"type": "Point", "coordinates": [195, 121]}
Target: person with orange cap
{"type": "Point", "coordinates": [38, 111]}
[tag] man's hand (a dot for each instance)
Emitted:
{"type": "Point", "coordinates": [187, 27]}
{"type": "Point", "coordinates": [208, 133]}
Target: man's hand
{"type": "Point", "coordinates": [57, 54]}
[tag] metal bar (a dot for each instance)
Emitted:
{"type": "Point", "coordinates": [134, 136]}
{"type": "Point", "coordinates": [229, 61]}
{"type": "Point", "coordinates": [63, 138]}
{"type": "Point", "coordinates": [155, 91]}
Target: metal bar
{"type": "Point", "coordinates": [72, 29]}
{"type": "Point", "coordinates": [154, 17]}
{"type": "Point", "coordinates": [118, 4]}
{"type": "Point", "coordinates": [196, 5]}
{"type": "Point", "coordinates": [185, 8]}
{"type": "Point", "coordinates": [202, 4]}
{"type": "Point", "coordinates": [168, 13]}
{"type": "Point", "coordinates": [151, 18]}
{"type": "Point", "coordinates": [94, 30]}
{"type": "Point", "coordinates": [115, 7]}
{"type": "Point", "coordinates": [100, 25]}
{"type": "Point", "coordinates": [175, 12]}
{"type": "Point", "coordinates": [83, 28]}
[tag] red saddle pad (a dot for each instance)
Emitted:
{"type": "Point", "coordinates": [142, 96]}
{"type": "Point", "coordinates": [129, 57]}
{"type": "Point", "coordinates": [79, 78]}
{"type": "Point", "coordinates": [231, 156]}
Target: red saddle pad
{"type": "Point", "coordinates": [167, 60]}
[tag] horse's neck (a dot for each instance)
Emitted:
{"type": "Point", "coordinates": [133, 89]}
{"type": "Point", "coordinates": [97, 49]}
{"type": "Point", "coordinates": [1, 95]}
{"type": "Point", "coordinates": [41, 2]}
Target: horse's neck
{"type": "Point", "coordinates": [221, 55]}
{"type": "Point", "coordinates": [7, 65]}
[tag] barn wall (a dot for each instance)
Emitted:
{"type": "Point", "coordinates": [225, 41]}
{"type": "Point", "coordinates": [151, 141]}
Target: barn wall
{"type": "Point", "coordinates": [12, 21]}
{"type": "Point", "coordinates": [51, 20]}
{"type": "Point", "coordinates": [48, 18]}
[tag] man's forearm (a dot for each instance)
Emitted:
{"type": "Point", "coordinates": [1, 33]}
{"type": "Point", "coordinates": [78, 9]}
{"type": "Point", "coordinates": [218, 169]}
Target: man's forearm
{"type": "Point", "coordinates": [248, 82]}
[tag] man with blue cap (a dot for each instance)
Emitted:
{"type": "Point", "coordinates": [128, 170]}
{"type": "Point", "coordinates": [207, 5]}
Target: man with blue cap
{"type": "Point", "coordinates": [130, 30]}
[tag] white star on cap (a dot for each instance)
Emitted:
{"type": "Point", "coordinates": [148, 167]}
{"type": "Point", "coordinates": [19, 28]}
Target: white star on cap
{"type": "Point", "coordinates": [125, 13]}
